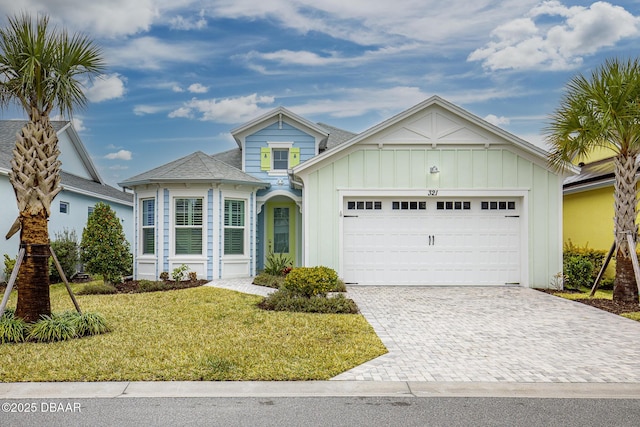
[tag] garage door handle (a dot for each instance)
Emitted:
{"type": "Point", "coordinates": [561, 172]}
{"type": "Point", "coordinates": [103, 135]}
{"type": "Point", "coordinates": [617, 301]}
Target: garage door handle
{"type": "Point", "coordinates": [432, 240]}
{"type": "Point", "coordinates": [350, 216]}
{"type": "Point", "coordinates": [512, 216]}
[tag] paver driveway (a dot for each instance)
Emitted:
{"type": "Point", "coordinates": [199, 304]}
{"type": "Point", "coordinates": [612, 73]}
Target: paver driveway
{"type": "Point", "coordinates": [494, 334]}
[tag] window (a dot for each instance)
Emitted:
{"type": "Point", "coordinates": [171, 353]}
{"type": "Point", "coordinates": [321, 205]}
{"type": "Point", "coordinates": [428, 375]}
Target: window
{"type": "Point", "coordinates": [456, 205]}
{"type": "Point", "coordinates": [90, 211]}
{"type": "Point", "coordinates": [490, 205]}
{"type": "Point", "coordinates": [364, 205]}
{"type": "Point", "coordinates": [64, 207]}
{"type": "Point", "coordinates": [409, 205]}
{"type": "Point", "coordinates": [280, 158]}
{"type": "Point", "coordinates": [188, 226]}
{"type": "Point", "coordinates": [234, 227]}
{"type": "Point", "coordinates": [281, 230]}
{"type": "Point", "coordinates": [148, 226]}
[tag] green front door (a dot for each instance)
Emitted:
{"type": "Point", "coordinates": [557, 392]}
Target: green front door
{"type": "Point", "coordinates": [281, 229]}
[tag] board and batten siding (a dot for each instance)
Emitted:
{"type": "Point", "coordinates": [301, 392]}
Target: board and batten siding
{"type": "Point", "coordinates": [407, 168]}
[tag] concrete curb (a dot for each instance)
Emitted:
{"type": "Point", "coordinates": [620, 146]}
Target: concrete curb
{"type": "Point", "coordinates": [318, 389]}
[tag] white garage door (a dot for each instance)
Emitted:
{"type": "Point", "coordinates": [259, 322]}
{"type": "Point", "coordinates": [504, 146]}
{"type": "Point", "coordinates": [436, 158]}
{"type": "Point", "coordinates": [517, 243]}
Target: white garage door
{"type": "Point", "coordinates": [404, 241]}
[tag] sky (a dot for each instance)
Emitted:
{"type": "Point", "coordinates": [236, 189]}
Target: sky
{"type": "Point", "coordinates": [182, 73]}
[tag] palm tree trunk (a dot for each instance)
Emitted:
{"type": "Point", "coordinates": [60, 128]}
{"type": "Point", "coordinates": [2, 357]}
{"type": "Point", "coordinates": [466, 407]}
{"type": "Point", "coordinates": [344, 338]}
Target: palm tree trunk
{"type": "Point", "coordinates": [625, 288]}
{"type": "Point", "coordinates": [35, 179]}
{"type": "Point", "coordinates": [33, 278]}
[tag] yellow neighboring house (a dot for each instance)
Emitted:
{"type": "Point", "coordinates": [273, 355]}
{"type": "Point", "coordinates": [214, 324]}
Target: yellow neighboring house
{"type": "Point", "coordinates": [588, 205]}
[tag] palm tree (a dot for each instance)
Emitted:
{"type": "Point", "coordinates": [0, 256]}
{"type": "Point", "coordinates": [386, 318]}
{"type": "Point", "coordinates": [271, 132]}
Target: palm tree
{"type": "Point", "coordinates": [603, 111]}
{"type": "Point", "coordinates": [39, 70]}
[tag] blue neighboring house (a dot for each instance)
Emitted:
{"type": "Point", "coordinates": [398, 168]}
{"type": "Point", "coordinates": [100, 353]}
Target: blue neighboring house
{"type": "Point", "coordinates": [82, 187]}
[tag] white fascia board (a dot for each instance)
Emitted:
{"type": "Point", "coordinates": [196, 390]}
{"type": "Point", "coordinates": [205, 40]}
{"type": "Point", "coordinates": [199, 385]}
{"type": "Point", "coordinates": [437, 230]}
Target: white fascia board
{"type": "Point", "coordinates": [82, 151]}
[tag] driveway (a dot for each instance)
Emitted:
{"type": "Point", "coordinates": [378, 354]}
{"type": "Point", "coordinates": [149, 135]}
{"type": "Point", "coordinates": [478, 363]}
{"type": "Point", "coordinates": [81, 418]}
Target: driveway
{"type": "Point", "coordinates": [494, 334]}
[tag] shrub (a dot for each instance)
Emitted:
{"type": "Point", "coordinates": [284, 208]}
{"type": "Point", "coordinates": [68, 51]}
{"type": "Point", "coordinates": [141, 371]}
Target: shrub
{"type": "Point", "coordinates": [178, 273]}
{"type": "Point", "coordinates": [104, 247]}
{"type": "Point", "coordinates": [57, 327]}
{"type": "Point", "coordinates": [193, 276]}
{"type": "Point", "coordinates": [310, 281]}
{"type": "Point", "coordinates": [578, 272]}
{"type": "Point", "coordinates": [9, 264]}
{"type": "Point", "coordinates": [283, 300]}
{"type": "Point", "coordinates": [12, 329]}
{"type": "Point", "coordinates": [87, 324]}
{"type": "Point", "coordinates": [276, 264]}
{"type": "Point", "coordinates": [65, 247]}
{"type": "Point", "coordinates": [151, 286]}
{"type": "Point", "coordinates": [164, 275]}
{"type": "Point", "coordinates": [271, 281]}
{"type": "Point", "coordinates": [97, 289]}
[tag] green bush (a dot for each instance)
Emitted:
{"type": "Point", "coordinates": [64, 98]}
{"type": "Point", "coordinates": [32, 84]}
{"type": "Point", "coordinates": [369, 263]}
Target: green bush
{"type": "Point", "coordinates": [65, 247]}
{"type": "Point", "coordinates": [578, 272]}
{"type": "Point", "coordinates": [152, 286]}
{"type": "Point", "coordinates": [104, 248]}
{"type": "Point", "coordinates": [12, 329]}
{"type": "Point", "coordinates": [179, 273]}
{"type": "Point", "coordinates": [87, 324]}
{"type": "Point", "coordinates": [57, 327]}
{"type": "Point", "coordinates": [269, 280]}
{"type": "Point", "coordinates": [283, 300]}
{"type": "Point", "coordinates": [310, 281]}
{"type": "Point", "coordinates": [276, 264]}
{"type": "Point", "coordinates": [97, 289]}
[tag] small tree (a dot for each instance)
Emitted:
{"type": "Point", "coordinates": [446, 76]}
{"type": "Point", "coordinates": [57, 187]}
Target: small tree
{"type": "Point", "coordinates": [104, 248]}
{"type": "Point", "coordinates": [65, 247]}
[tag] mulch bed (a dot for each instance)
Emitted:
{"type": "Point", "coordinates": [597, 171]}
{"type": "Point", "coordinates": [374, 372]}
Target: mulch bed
{"type": "Point", "coordinates": [604, 304]}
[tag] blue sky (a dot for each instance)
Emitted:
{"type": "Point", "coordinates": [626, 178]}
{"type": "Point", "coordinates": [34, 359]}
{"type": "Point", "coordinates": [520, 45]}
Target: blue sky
{"type": "Point", "coordinates": [183, 73]}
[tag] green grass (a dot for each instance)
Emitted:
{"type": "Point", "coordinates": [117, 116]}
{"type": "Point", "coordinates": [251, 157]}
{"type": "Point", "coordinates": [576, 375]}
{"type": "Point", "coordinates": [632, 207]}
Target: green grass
{"type": "Point", "coordinates": [600, 294]}
{"type": "Point", "coordinates": [201, 333]}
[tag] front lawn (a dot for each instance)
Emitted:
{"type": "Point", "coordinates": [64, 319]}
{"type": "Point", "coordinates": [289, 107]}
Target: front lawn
{"type": "Point", "coordinates": [201, 333]}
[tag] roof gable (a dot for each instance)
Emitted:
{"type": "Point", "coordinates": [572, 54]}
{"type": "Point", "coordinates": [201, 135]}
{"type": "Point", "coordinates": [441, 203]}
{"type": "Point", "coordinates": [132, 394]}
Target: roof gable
{"type": "Point", "coordinates": [437, 122]}
{"type": "Point", "coordinates": [277, 115]}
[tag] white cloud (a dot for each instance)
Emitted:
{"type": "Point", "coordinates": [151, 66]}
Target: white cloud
{"type": "Point", "coordinates": [119, 155]}
{"type": "Point", "coordinates": [102, 18]}
{"type": "Point", "coordinates": [227, 110]}
{"type": "Point", "coordinates": [524, 43]}
{"type": "Point", "coordinates": [106, 87]}
{"type": "Point", "coordinates": [143, 110]}
{"type": "Point", "coordinates": [152, 53]}
{"type": "Point", "coordinates": [497, 121]}
{"type": "Point", "coordinates": [78, 124]}
{"type": "Point", "coordinates": [198, 88]}
{"type": "Point", "coordinates": [176, 88]}
{"type": "Point", "coordinates": [194, 23]}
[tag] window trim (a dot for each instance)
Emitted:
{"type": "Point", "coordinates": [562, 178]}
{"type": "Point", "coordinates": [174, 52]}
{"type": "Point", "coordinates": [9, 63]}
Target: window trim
{"type": "Point", "coordinates": [243, 227]}
{"type": "Point", "coordinates": [67, 206]}
{"type": "Point", "coordinates": [175, 226]}
{"type": "Point", "coordinates": [279, 146]}
{"type": "Point", "coordinates": [143, 214]}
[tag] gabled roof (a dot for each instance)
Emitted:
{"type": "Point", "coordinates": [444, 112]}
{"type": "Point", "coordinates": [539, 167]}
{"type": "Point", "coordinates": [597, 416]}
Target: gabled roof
{"type": "Point", "coordinates": [277, 114]}
{"type": "Point", "coordinates": [69, 182]}
{"type": "Point", "coordinates": [336, 137]}
{"type": "Point", "coordinates": [231, 157]}
{"type": "Point", "coordinates": [446, 105]}
{"type": "Point", "coordinates": [197, 167]}
{"type": "Point", "coordinates": [600, 173]}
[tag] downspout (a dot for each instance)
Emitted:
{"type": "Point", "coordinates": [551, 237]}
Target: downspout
{"type": "Point", "coordinates": [293, 181]}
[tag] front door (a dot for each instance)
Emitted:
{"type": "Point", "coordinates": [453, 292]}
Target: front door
{"type": "Point", "coordinates": [281, 229]}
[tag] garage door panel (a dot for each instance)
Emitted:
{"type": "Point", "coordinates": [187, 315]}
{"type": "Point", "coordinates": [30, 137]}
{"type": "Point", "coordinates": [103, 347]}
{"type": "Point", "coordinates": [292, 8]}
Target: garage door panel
{"type": "Point", "coordinates": [425, 242]}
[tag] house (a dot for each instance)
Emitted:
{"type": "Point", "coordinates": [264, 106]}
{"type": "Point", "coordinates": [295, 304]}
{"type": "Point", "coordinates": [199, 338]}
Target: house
{"type": "Point", "coordinates": [433, 195]}
{"type": "Point", "coordinates": [82, 187]}
{"type": "Point", "coordinates": [589, 203]}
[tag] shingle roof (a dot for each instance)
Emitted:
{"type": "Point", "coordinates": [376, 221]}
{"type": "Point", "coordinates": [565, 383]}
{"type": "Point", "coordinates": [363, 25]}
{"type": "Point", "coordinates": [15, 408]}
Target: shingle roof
{"type": "Point", "coordinates": [196, 167]}
{"type": "Point", "coordinates": [8, 131]}
{"type": "Point", "coordinates": [336, 136]}
{"type": "Point", "coordinates": [232, 157]}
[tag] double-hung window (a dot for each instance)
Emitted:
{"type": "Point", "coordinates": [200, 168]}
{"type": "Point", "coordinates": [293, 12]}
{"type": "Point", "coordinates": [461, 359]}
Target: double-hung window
{"type": "Point", "coordinates": [188, 226]}
{"type": "Point", "coordinates": [280, 159]}
{"type": "Point", "coordinates": [234, 224]}
{"type": "Point", "coordinates": [148, 226]}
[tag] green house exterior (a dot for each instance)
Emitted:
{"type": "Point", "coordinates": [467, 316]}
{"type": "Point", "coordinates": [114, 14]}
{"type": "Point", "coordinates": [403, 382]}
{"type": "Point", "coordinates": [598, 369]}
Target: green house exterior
{"type": "Point", "coordinates": [431, 196]}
